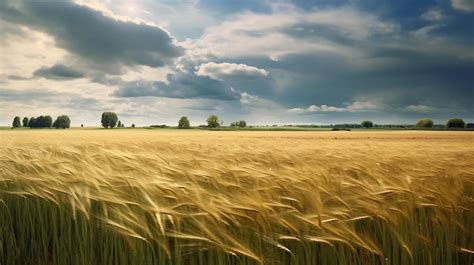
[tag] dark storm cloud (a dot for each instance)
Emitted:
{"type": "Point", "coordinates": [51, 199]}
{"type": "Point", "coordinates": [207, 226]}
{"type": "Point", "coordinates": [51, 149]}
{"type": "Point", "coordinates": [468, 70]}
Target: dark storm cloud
{"type": "Point", "coordinates": [101, 41]}
{"type": "Point", "coordinates": [179, 85]}
{"type": "Point", "coordinates": [408, 78]}
{"type": "Point", "coordinates": [58, 72]}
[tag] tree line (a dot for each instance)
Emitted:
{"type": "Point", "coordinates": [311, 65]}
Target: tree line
{"type": "Point", "coordinates": [427, 123]}
{"type": "Point", "coordinates": [62, 121]}
{"type": "Point", "coordinates": [110, 120]}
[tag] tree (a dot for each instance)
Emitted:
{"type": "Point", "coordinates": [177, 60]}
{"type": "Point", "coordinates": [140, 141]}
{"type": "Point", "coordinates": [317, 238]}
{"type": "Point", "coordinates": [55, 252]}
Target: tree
{"type": "Point", "coordinates": [43, 122]}
{"type": "Point", "coordinates": [455, 123]}
{"type": "Point", "coordinates": [367, 124]}
{"type": "Point", "coordinates": [133, 125]}
{"type": "Point", "coordinates": [470, 125]}
{"type": "Point", "coordinates": [62, 122]}
{"type": "Point", "coordinates": [183, 123]}
{"type": "Point", "coordinates": [16, 122]}
{"type": "Point", "coordinates": [425, 123]}
{"type": "Point", "coordinates": [213, 121]}
{"type": "Point", "coordinates": [32, 122]}
{"type": "Point", "coordinates": [242, 124]}
{"type": "Point", "coordinates": [119, 125]}
{"type": "Point", "coordinates": [109, 119]}
{"type": "Point", "coordinates": [82, 125]}
{"type": "Point", "coordinates": [25, 122]}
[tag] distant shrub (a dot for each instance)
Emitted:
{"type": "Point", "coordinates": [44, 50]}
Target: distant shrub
{"type": "Point", "coordinates": [119, 125]}
{"type": "Point", "coordinates": [62, 122]}
{"type": "Point", "coordinates": [213, 121]}
{"type": "Point", "coordinates": [425, 123]}
{"type": "Point", "coordinates": [341, 129]}
{"type": "Point", "coordinates": [184, 123]}
{"type": "Point", "coordinates": [455, 123]}
{"type": "Point", "coordinates": [82, 125]}
{"type": "Point", "coordinates": [159, 126]}
{"type": "Point", "coordinates": [133, 125]}
{"type": "Point", "coordinates": [367, 124]}
{"type": "Point", "coordinates": [470, 125]}
{"type": "Point", "coordinates": [109, 119]}
{"type": "Point", "coordinates": [16, 122]}
{"type": "Point", "coordinates": [241, 124]}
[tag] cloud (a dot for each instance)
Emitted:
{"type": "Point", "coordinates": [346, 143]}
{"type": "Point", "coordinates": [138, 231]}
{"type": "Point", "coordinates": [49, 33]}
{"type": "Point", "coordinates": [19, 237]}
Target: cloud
{"type": "Point", "coordinates": [223, 70]}
{"type": "Point", "coordinates": [58, 72]}
{"type": "Point", "coordinates": [356, 106]}
{"type": "Point", "coordinates": [98, 41]}
{"type": "Point", "coordinates": [17, 77]}
{"type": "Point", "coordinates": [247, 99]}
{"type": "Point", "coordinates": [288, 29]}
{"type": "Point", "coordinates": [179, 85]}
{"type": "Point", "coordinates": [57, 102]}
{"type": "Point", "coordinates": [423, 32]}
{"type": "Point", "coordinates": [463, 5]}
{"type": "Point", "coordinates": [419, 108]}
{"type": "Point", "coordinates": [433, 14]}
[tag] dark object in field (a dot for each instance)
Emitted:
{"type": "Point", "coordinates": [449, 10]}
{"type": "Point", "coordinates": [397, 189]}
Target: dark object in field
{"type": "Point", "coordinates": [16, 122]}
{"type": "Point", "coordinates": [425, 123]}
{"type": "Point", "coordinates": [184, 123]}
{"type": "Point", "coordinates": [62, 122]}
{"type": "Point", "coordinates": [109, 119]}
{"type": "Point", "coordinates": [456, 123]}
{"type": "Point", "coordinates": [367, 124]}
{"type": "Point", "coordinates": [341, 129]}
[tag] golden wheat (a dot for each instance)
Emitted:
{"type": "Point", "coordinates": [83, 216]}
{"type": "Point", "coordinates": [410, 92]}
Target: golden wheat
{"type": "Point", "coordinates": [202, 197]}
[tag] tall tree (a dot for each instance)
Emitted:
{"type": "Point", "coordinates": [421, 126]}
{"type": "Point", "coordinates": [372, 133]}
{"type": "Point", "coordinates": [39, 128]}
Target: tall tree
{"type": "Point", "coordinates": [25, 122]}
{"type": "Point", "coordinates": [183, 123]}
{"type": "Point", "coordinates": [16, 122]}
{"type": "Point", "coordinates": [425, 123]}
{"type": "Point", "coordinates": [456, 123]}
{"type": "Point", "coordinates": [242, 124]}
{"type": "Point", "coordinates": [32, 122]}
{"type": "Point", "coordinates": [213, 121]}
{"type": "Point", "coordinates": [62, 122]}
{"type": "Point", "coordinates": [109, 119]}
{"type": "Point", "coordinates": [367, 124]}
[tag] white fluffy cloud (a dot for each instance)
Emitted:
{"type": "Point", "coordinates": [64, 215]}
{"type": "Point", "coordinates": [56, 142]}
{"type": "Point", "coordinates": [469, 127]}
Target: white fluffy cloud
{"type": "Point", "coordinates": [433, 14]}
{"type": "Point", "coordinates": [419, 108]}
{"type": "Point", "coordinates": [357, 106]}
{"type": "Point", "coordinates": [463, 5]}
{"type": "Point", "coordinates": [223, 70]}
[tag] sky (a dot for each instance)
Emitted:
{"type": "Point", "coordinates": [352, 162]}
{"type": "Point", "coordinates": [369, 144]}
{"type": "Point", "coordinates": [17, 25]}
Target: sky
{"type": "Point", "coordinates": [266, 62]}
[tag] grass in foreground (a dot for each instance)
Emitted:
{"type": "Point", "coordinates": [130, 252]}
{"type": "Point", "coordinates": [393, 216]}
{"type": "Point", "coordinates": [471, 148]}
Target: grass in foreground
{"type": "Point", "coordinates": [201, 197]}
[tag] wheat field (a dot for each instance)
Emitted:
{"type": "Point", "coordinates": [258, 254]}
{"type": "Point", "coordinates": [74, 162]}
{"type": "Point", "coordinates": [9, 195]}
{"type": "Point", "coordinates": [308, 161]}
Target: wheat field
{"type": "Point", "coordinates": [204, 197]}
